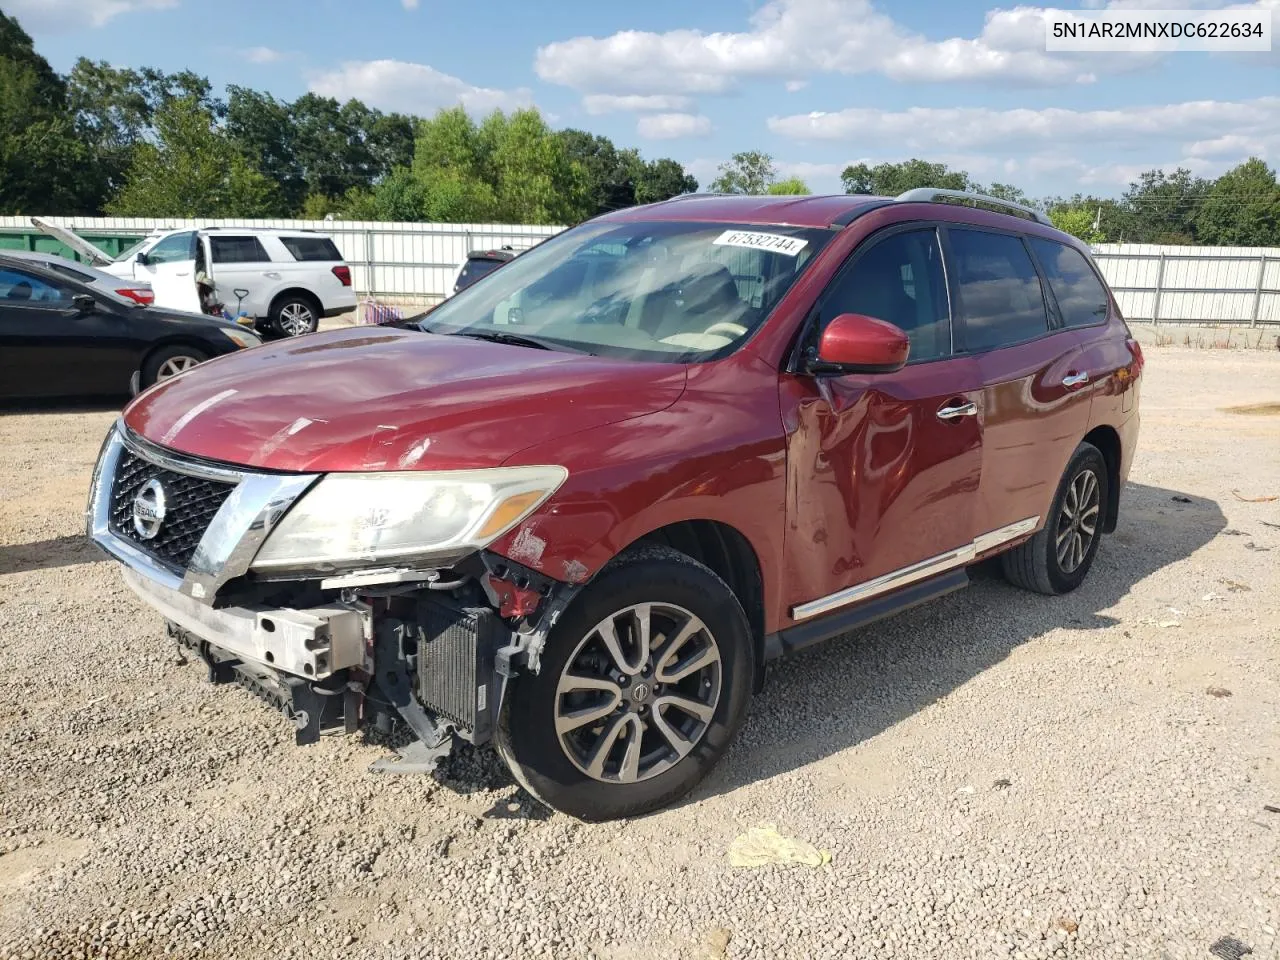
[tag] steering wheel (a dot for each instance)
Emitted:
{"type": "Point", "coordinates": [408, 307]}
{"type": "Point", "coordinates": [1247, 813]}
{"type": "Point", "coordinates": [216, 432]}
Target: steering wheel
{"type": "Point", "coordinates": [726, 328]}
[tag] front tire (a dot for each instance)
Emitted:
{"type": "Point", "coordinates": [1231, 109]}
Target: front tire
{"type": "Point", "coordinates": [643, 685]}
{"type": "Point", "coordinates": [168, 362]}
{"type": "Point", "coordinates": [1057, 559]}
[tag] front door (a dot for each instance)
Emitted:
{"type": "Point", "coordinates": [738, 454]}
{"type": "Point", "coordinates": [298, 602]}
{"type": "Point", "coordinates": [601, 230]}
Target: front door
{"type": "Point", "coordinates": [171, 270]}
{"type": "Point", "coordinates": [49, 347]}
{"type": "Point", "coordinates": [883, 470]}
{"type": "Point", "coordinates": [1034, 413]}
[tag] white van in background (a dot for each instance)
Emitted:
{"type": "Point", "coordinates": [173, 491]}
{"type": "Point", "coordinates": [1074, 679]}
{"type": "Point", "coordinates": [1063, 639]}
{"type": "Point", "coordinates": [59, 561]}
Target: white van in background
{"type": "Point", "coordinates": [287, 280]}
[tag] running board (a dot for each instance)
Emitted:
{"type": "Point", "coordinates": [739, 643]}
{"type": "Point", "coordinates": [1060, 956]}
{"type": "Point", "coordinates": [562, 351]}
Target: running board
{"type": "Point", "coordinates": [803, 635]}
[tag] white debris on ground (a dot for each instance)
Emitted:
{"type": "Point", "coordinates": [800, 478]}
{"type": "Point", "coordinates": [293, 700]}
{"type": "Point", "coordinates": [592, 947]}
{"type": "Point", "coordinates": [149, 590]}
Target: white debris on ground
{"type": "Point", "coordinates": [994, 775]}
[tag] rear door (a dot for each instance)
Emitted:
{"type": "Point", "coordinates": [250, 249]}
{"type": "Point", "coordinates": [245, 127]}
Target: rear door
{"type": "Point", "coordinates": [171, 271]}
{"type": "Point", "coordinates": [242, 269]}
{"type": "Point", "coordinates": [883, 470]}
{"type": "Point", "coordinates": [1034, 413]}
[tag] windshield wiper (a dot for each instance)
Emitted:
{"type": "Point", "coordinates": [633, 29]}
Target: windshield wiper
{"type": "Point", "coordinates": [495, 336]}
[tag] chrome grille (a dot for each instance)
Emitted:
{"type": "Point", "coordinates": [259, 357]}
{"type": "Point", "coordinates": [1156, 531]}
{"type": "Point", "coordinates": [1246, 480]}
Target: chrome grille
{"type": "Point", "coordinates": [190, 505]}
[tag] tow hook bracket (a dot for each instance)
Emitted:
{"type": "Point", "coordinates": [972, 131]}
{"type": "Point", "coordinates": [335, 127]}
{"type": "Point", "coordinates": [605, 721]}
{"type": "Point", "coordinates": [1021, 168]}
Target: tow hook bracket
{"type": "Point", "coordinates": [416, 758]}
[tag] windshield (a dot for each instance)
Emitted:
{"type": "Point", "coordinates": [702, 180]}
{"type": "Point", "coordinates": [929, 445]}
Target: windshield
{"type": "Point", "coordinates": [670, 291]}
{"type": "Point", "coordinates": [134, 250]}
{"type": "Point", "coordinates": [474, 269]}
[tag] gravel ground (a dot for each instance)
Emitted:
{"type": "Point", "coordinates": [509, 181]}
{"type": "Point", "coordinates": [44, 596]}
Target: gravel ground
{"type": "Point", "coordinates": [997, 774]}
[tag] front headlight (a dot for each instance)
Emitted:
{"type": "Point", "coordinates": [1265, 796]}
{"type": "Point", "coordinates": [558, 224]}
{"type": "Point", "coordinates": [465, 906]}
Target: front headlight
{"type": "Point", "coordinates": [244, 338]}
{"type": "Point", "coordinates": [366, 519]}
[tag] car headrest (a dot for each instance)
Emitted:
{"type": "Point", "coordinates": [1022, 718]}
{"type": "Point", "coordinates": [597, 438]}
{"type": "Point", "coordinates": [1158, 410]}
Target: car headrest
{"type": "Point", "coordinates": [19, 291]}
{"type": "Point", "coordinates": [709, 287]}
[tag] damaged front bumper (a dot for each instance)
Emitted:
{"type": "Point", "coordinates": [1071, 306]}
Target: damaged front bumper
{"type": "Point", "coordinates": [430, 649]}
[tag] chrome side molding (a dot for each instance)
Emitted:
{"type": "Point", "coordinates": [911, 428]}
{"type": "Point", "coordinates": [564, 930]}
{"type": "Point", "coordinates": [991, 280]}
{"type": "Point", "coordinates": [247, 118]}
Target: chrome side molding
{"type": "Point", "coordinates": [917, 571]}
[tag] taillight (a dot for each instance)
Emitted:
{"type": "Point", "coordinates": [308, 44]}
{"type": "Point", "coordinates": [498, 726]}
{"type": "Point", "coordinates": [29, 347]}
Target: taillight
{"type": "Point", "coordinates": [1135, 348]}
{"type": "Point", "coordinates": [139, 295]}
{"type": "Point", "coordinates": [343, 273]}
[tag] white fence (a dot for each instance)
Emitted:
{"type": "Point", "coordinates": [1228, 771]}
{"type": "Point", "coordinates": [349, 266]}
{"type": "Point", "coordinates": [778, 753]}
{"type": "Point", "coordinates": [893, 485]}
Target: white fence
{"type": "Point", "coordinates": [415, 261]}
{"type": "Point", "coordinates": [1172, 284]}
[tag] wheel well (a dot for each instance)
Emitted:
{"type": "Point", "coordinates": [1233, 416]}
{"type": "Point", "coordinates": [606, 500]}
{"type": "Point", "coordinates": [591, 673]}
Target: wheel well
{"type": "Point", "coordinates": [1108, 442]}
{"type": "Point", "coordinates": [300, 293]}
{"type": "Point", "coordinates": [730, 555]}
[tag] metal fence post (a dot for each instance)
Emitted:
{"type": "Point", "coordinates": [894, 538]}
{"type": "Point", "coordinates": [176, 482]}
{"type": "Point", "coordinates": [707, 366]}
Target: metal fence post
{"type": "Point", "coordinates": [1257, 293]}
{"type": "Point", "coordinates": [368, 263]}
{"type": "Point", "coordinates": [1155, 304]}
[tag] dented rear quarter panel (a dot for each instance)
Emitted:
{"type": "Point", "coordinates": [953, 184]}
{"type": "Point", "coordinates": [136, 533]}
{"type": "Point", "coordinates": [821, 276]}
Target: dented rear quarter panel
{"type": "Point", "coordinates": [717, 453]}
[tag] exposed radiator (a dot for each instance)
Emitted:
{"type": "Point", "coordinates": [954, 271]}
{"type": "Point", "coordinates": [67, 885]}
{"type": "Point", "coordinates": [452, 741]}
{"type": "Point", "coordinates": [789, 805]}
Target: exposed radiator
{"type": "Point", "coordinates": [456, 647]}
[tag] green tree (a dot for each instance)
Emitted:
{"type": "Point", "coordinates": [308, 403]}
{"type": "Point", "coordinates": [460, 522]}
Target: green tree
{"type": "Point", "coordinates": [791, 186]}
{"type": "Point", "coordinates": [891, 179]}
{"type": "Point", "coordinates": [43, 161]}
{"type": "Point", "coordinates": [1163, 207]}
{"type": "Point", "coordinates": [750, 172]}
{"type": "Point", "coordinates": [1079, 222]}
{"type": "Point", "coordinates": [1242, 208]}
{"type": "Point", "coordinates": [192, 170]}
{"type": "Point", "coordinates": [259, 127]}
{"type": "Point", "coordinates": [605, 175]}
{"type": "Point", "coordinates": [661, 179]}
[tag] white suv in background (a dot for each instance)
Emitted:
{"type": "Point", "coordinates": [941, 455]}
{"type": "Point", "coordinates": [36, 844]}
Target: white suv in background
{"type": "Point", "coordinates": [285, 279]}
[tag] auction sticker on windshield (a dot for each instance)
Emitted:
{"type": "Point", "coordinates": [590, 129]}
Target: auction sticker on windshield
{"type": "Point", "coordinates": [774, 242]}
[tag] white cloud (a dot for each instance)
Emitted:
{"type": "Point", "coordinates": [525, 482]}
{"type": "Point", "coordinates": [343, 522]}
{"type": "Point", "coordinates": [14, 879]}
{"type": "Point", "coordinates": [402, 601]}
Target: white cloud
{"type": "Point", "coordinates": [59, 16]}
{"type": "Point", "coordinates": [410, 4]}
{"type": "Point", "coordinates": [795, 86]}
{"type": "Point", "coordinates": [670, 126]}
{"type": "Point", "coordinates": [598, 103]}
{"type": "Point", "coordinates": [970, 128]}
{"type": "Point", "coordinates": [797, 38]}
{"type": "Point", "coordinates": [412, 88]}
{"type": "Point", "coordinates": [263, 55]}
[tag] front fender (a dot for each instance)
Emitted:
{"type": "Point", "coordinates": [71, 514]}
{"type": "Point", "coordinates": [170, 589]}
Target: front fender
{"type": "Point", "coordinates": [714, 455]}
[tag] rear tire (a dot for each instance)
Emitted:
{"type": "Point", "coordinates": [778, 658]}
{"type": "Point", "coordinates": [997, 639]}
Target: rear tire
{"type": "Point", "coordinates": [1057, 559]}
{"type": "Point", "coordinates": [295, 316]}
{"type": "Point", "coordinates": [655, 731]}
{"type": "Point", "coordinates": [168, 362]}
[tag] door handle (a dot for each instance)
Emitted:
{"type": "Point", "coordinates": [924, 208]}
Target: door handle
{"type": "Point", "coordinates": [957, 410]}
{"type": "Point", "coordinates": [184, 273]}
{"type": "Point", "coordinates": [1075, 380]}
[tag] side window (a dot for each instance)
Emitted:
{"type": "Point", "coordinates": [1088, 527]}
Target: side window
{"type": "Point", "coordinates": [19, 288]}
{"type": "Point", "coordinates": [174, 249]}
{"type": "Point", "coordinates": [900, 280]}
{"type": "Point", "coordinates": [237, 250]}
{"type": "Point", "coordinates": [1000, 295]}
{"type": "Point", "coordinates": [1080, 295]}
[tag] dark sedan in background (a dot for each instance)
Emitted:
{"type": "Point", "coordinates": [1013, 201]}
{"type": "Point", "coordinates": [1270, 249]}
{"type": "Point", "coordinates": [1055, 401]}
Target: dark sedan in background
{"type": "Point", "coordinates": [62, 338]}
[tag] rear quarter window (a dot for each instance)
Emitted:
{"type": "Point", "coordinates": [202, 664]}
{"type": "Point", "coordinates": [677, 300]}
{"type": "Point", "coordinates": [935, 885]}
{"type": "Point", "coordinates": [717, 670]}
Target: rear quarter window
{"type": "Point", "coordinates": [1081, 297]}
{"type": "Point", "coordinates": [237, 250]}
{"type": "Point", "coordinates": [312, 249]}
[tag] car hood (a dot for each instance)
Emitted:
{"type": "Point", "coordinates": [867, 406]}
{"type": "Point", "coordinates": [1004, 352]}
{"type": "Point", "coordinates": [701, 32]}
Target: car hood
{"type": "Point", "coordinates": [385, 399]}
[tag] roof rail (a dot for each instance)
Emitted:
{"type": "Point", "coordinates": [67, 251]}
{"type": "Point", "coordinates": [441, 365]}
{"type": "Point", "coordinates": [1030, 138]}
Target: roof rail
{"type": "Point", "coordinates": [934, 195]}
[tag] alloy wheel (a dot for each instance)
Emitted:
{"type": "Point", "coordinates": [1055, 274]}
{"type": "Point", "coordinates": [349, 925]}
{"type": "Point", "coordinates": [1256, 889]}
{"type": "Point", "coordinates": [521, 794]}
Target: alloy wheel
{"type": "Point", "coordinates": [1078, 521]}
{"type": "Point", "coordinates": [174, 366]}
{"type": "Point", "coordinates": [638, 693]}
{"type": "Point", "coordinates": [295, 319]}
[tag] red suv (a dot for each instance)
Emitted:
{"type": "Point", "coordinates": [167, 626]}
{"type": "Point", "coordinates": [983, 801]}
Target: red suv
{"type": "Point", "coordinates": [578, 507]}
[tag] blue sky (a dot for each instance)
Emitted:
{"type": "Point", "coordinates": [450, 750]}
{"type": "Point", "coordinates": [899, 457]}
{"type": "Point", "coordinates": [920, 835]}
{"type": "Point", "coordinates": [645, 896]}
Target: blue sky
{"type": "Point", "coordinates": [815, 83]}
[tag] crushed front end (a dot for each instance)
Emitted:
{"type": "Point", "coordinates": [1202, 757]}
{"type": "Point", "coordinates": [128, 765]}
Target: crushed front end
{"type": "Point", "coordinates": [365, 600]}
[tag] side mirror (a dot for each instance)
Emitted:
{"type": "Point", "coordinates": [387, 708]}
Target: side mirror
{"type": "Point", "coordinates": [84, 304]}
{"type": "Point", "coordinates": [143, 259]}
{"type": "Point", "coordinates": [854, 343]}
